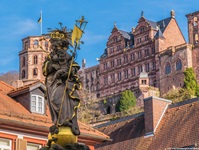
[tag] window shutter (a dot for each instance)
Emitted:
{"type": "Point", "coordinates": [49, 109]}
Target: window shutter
{"type": "Point", "coordinates": [21, 144]}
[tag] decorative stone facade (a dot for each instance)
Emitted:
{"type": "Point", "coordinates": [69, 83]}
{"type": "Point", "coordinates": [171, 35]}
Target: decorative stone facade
{"type": "Point", "coordinates": [129, 53]}
{"type": "Point", "coordinates": [193, 31]}
{"type": "Point", "coordinates": [31, 58]}
{"type": "Point", "coordinates": [90, 81]}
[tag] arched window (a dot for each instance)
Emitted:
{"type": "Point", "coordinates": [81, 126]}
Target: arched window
{"type": "Point", "coordinates": [35, 71]}
{"type": "Point", "coordinates": [35, 59]}
{"type": "Point", "coordinates": [23, 74]}
{"type": "Point", "coordinates": [195, 21]}
{"type": "Point", "coordinates": [154, 83]}
{"type": "Point", "coordinates": [167, 68]}
{"type": "Point", "coordinates": [36, 44]}
{"type": "Point", "coordinates": [92, 88]}
{"type": "Point", "coordinates": [178, 65]}
{"type": "Point", "coordinates": [108, 110]}
{"type": "Point", "coordinates": [26, 45]}
{"type": "Point", "coordinates": [23, 61]}
{"type": "Point", "coordinates": [196, 38]}
{"type": "Point", "coordinates": [46, 45]}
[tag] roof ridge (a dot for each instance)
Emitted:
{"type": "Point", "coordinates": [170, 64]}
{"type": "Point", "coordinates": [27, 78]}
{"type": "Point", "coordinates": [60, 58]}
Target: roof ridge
{"type": "Point", "coordinates": [25, 86]}
{"type": "Point", "coordinates": [119, 120]}
{"type": "Point", "coordinates": [182, 103]}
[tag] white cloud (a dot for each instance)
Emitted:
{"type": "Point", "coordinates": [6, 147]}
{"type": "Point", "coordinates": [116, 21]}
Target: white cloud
{"type": "Point", "coordinates": [92, 39]}
{"type": "Point", "coordinates": [14, 27]}
{"type": "Point", "coordinates": [25, 26]}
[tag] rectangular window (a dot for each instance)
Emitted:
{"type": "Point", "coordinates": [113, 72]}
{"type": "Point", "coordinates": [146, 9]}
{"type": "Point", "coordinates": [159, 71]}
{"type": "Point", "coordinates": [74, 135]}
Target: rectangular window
{"type": "Point", "coordinates": [147, 67]}
{"type": "Point", "coordinates": [139, 55]}
{"type": "Point", "coordinates": [126, 74]}
{"type": "Point", "coordinates": [139, 40]}
{"type": "Point", "coordinates": [146, 38]}
{"type": "Point", "coordinates": [118, 47]}
{"type": "Point", "coordinates": [153, 66]}
{"type": "Point", "coordinates": [5, 144]}
{"type": "Point", "coordinates": [153, 50]}
{"type": "Point", "coordinates": [105, 80]}
{"type": "Point", "coordinates": [132, 57]}
{"type": "Point", "coordinates": [31, 146]}
{"type": "Point", "coordinates": [111, 50]}
{"type": "Point", "coordinates": [113, 78]}
{"type": "Point", "coordinates": [37, 104]}
{"type": "Point", "coordinates": [118, 62]}
{"type": "Point", "coordinates": [133, 71]}
{"type": "Point", "coordinates": [112, 64]}
{"type": "Point", "coordinates": [146, 51]}
{"type": "Point", "coordinates": [139, 69]}
{"type": "Point", "coordinates": [119, 76]}
{"type": "Point", "coordinates": [126, 59]}
{"type": "Point", "coordinates": [105, 66]}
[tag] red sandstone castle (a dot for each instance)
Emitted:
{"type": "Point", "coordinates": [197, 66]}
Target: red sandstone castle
{"type": "Point", "coordinates": [149, 60]}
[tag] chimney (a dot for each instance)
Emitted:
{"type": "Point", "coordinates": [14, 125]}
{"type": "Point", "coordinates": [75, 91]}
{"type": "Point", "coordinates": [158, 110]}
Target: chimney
{"type": "Point", "coordinates": [154, 110]}
{"type": "Point", "coordinates": [83, 63]}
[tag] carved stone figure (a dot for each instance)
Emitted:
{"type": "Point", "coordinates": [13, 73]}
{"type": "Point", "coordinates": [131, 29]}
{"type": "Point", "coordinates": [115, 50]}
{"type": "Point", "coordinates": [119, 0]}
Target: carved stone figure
{"type": "Point", "coordinates": [61, 84]}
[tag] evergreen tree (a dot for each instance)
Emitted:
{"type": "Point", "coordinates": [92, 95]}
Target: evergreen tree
{"type": "Point", "coordinates": [190, 82]}
{"type": "Point", "coordinates": [127, 100]}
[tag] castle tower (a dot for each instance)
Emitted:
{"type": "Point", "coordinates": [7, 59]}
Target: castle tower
{"type": "Point", "coordinates": [144, 83]}
{"type": "Point", "coordinates": [193, 34]}
{"type": "Point", "coordinates": [193, 28]}
{"type": "Point", "coordinates": [31, 58]}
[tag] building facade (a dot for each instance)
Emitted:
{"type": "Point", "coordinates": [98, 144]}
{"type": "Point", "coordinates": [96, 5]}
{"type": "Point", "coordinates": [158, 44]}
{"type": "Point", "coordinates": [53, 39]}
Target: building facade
{"type": "Point", "coordinates": [157, 48]}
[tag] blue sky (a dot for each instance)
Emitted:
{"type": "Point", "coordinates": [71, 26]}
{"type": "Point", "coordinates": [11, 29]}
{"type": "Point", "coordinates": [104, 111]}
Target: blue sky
{"type": "Point", "coordinates": [19, 20]}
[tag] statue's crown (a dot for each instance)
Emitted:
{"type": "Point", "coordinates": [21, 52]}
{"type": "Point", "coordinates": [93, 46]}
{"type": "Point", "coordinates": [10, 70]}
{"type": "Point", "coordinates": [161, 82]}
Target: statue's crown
{"type": "Point", "coordinates": [57, 35]}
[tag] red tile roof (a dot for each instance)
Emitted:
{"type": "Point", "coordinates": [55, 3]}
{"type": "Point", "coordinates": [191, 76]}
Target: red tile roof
{"type": "Point", "coordinates": [178, 128]}
{"type": "Point", "coordinates": [5, 88]}
{"type": "Point", "coordinates": [13, 114]}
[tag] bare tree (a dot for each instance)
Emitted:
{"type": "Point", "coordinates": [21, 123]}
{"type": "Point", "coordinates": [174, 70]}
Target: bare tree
{"type": "Point", "coordinates": [10, 76]}
{"type": "Point", "coordinates": [89, 108]}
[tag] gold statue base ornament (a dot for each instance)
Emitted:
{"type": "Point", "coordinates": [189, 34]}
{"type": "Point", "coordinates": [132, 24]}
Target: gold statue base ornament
{"type": "Point", "coordinates": [64, 136]}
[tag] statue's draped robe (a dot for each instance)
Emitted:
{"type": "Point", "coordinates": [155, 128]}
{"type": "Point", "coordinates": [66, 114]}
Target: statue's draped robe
{"type": "Point", "coordinates": [60, 94]}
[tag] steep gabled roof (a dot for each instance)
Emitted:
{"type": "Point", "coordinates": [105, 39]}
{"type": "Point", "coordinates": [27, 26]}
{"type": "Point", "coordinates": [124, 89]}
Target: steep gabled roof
{"type": "Point", "coordinates": [159, 34]}
{"type": "Point", "coordinates": [178, 128]}
{"type": "Point", "coordinates": [104, 55]}
{"type": "Point", "coordinates": [125, 34]}
{"type": "Point", "coordinates": [160, 26]}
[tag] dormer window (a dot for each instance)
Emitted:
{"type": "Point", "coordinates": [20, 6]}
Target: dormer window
{"type": "Point", "coordinates": [37, 104]}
